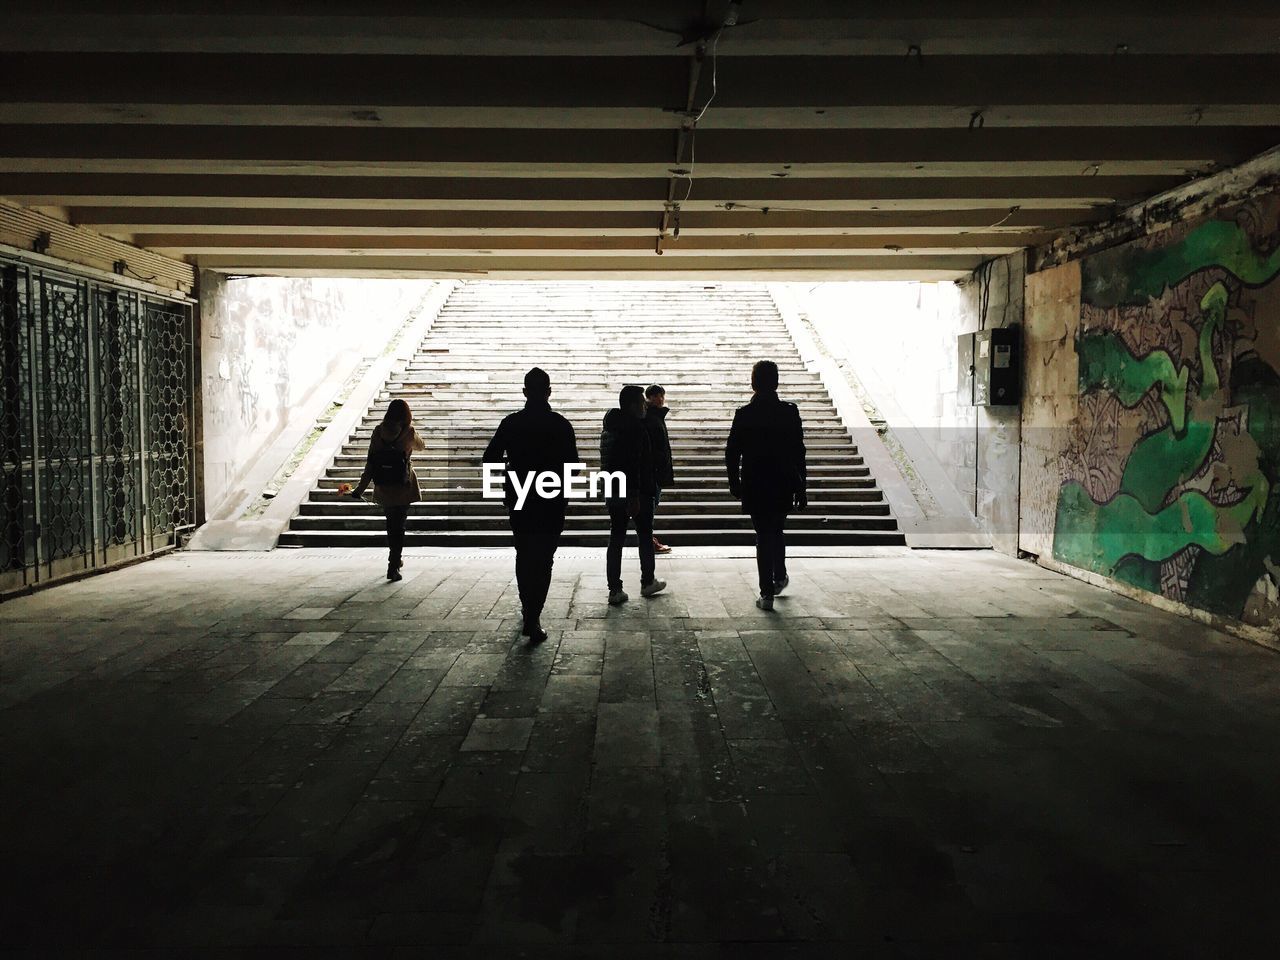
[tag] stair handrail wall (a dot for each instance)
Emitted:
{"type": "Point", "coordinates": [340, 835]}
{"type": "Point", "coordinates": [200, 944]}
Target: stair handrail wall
{"type": "Point", "coordinates": [263, 532]}
{"type": "Point", "coordinates": [285, 506]}
{"type": "Point", "coordinates": [915, 525]}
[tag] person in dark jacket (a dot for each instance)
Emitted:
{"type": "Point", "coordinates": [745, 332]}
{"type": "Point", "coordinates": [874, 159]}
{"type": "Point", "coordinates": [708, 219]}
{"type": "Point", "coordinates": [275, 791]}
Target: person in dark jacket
{"type": "Point", "coordinates": [389, 467]}
{"type": "Point", "coordinates": [534, 439]}
{"type": "Point", "coordinates": [625, 447]}
{"type": "Point", "coordinates": [765, 461]}
{"type": "Point", "coordinates": [655, 420]}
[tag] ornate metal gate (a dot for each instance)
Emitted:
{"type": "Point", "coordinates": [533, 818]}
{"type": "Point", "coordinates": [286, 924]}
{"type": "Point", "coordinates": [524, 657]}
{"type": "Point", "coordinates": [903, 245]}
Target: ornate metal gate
{"type": "Point", "coordinates": [97, 411]}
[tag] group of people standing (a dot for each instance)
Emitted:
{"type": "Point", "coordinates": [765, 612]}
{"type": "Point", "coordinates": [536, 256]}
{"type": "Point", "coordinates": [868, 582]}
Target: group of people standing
{"type": "Point", "coordinates": [764, 460]}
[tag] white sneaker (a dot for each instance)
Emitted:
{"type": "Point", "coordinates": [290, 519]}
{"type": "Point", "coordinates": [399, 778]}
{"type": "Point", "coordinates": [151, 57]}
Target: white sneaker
{"type": "Point", "coordinates": [649, 589]}
{"type": "Point", "coordinates": [617, 598]}
{"type": "Point", "coordinates": [780, 585]}
{"type": "Point", "coordinates": [764, 603]}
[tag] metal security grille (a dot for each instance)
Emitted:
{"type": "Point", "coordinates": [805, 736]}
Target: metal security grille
{"type": "Point", "coordinates": [166, 350]}
{"type": "Point", "coordinates": [96, 445]}
{"type": "Point", "coordinates": [120, 397]}
{"type": "Point", "coordinates": [17, 545]}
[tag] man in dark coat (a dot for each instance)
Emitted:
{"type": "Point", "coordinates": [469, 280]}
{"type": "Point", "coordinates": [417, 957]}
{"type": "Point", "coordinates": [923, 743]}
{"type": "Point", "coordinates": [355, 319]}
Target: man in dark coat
{"type": "Point", "coordinates": [534, 439]}
{"type": "Point", "coordinates": [625, 448]}
{"type": "Point", "coordinates": [765, 461]}
{"type": "Point", "coordinates": [655, 421]}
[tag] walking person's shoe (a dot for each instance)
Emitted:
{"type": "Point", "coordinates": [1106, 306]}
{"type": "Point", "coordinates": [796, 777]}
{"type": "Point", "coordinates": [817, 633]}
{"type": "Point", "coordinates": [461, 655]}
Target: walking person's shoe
{"type": "Point", "coordinates": [660, 547]}
{"type": "Point", "coordinates": [764, 603]}
{"type": "Point", "coordinates": [617, 597]}
{"type": "Point", "coordinates": [531, 627]}
{"type": "Point", "coordinates": [393, 572]}
{"type": "Point", "coordinates": [780, 585]}
{"type": "Point", "coordinates": [652, 588]}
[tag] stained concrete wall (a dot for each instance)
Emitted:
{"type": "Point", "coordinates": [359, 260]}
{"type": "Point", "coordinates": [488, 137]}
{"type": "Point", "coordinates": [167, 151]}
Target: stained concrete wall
{"type": "Point", "coordinates": [997, 430]}
{"type": "Point", "coordinates": [274, 351]}
{"type": "Point", "coordinates": [900, 340]}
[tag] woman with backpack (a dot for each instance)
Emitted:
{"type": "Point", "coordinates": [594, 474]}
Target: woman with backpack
{"type": "Point", "coordinates": [389, 468]}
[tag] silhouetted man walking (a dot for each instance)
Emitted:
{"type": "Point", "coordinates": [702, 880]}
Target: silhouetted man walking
{"type": "Point", "coordinates": [625, 447]}
{"type": "Point", "coordinates": [765, 460]}
{"type": "Point", "coordinates": [534, 439]}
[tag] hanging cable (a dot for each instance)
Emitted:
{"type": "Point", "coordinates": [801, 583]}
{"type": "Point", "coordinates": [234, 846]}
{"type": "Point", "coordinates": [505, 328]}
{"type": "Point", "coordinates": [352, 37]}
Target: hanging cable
{"type": "Point", "coordinates": [689, 128]}
{"type": "Point", "coordinates": [983, 277]}
{"type": "Point", "coordinates": [1005, 219]}
{"type": "Point", "coordinates": [693, 126]}
{"type": "Point", "coordinates": [1008, 291]}
{"type": "Point", "coordinates": [138, 276]}
{"type": "Point", "coordinates": [715, 43]}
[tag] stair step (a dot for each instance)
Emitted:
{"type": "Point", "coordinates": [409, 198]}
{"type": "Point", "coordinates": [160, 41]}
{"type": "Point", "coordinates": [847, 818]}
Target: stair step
{"type": "Point", "coordinates": [683, 436]}
{"type": "Point", "coordinates": [592, 538]}
{"type": "Point", "coordinates": [835, 488]}
{"type": "Point", "coordinates": [601, 389]}
{"type": "Point", "coordinates": [707, 483]}
{"type": "Point", "coordinates": [573, 407]}
{"type": "Point", "coordinates": [687, 474]}
{"type": "Point", "coordinates": [817, 459]}
{"type": "Point", "coordinates": [583, 420]}
{"type": "Point", "coordinates": [344, 506]}
{"type": "Point", "coordinates": [600, 519]}
{"type": "Point", "coordinates": [457, 440]}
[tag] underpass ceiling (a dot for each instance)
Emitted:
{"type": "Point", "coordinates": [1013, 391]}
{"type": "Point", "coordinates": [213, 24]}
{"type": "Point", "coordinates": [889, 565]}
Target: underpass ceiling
{"type": "Point", "coordinates": [554, 139]}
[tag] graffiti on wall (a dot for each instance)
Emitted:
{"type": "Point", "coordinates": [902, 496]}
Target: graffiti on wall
{"type": "Point", "coordinates": [1171, 473]}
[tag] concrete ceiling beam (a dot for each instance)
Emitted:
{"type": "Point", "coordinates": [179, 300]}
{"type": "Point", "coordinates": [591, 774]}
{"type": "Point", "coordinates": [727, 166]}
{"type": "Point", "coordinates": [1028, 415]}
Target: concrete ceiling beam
{"type": "Point", "coordinates": [689, 242]}
{"type": "Point", "coordinates": [1085, 165]}
{"type": "Point", "coordinates": [214, 220]}
{"type": "Point", "coordinates": [804, 116]}
{"type": "Point", "coordinates": [339, 264]}
{"type": "Point", "coordinates": [422, 193]}
{"type": "Point", "coordinates": [583, 82]}
{"type": "Point", "coordinates": [654, 28]}
{"type": "Point", "coordinates": [470, 150]}
{"type": "Point", "coordinates": [706, 270]}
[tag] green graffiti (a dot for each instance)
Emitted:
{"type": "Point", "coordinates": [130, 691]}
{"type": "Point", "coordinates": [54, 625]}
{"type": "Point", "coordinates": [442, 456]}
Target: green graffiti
{"type": "Point", "coordinates": [1132, 274]}
{"type": "Point", "coordinates": [1167, 459]}
{"type": "Point", "coordinates": [1098, 536]}
{"type": "Point", "coordinates": [1256, 387]}
{"type": "Point", "coordinates": [1143, 574]}
{"type": "Point", "coordinates": [1214, 305]}
{"type": "Point", "coordinates": [1223, 583]}
{"type": "Point", "coordinates": [1164, 460]}
{"type": "Point", "coordinates": [1106, 363]}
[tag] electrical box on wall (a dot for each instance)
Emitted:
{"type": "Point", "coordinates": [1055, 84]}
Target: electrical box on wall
{"type": "Point", "coordinates": [989, 367]}
{"type": "Point", "coordinates": [996, 367]}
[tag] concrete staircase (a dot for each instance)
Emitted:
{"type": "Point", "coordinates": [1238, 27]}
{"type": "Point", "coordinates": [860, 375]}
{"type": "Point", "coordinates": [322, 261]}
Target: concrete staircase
{"type": "Point", "coordinates": [697, 340]}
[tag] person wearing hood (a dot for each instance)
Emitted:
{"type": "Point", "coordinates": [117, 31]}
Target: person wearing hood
{"type": "Point", "coordinates": [389, 467]}
{"type": "Point", "coordinates": [625, 448]}
{"type": "Point", "coordinates": [765, 460]}
{"type": "Point", "coordinates": [655, 421]}
{"type": "Point", "coordinates": [532, 441]}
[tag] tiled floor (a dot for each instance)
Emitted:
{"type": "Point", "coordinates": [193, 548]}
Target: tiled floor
{"type": "Point", "coordinates": [917, 754]}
